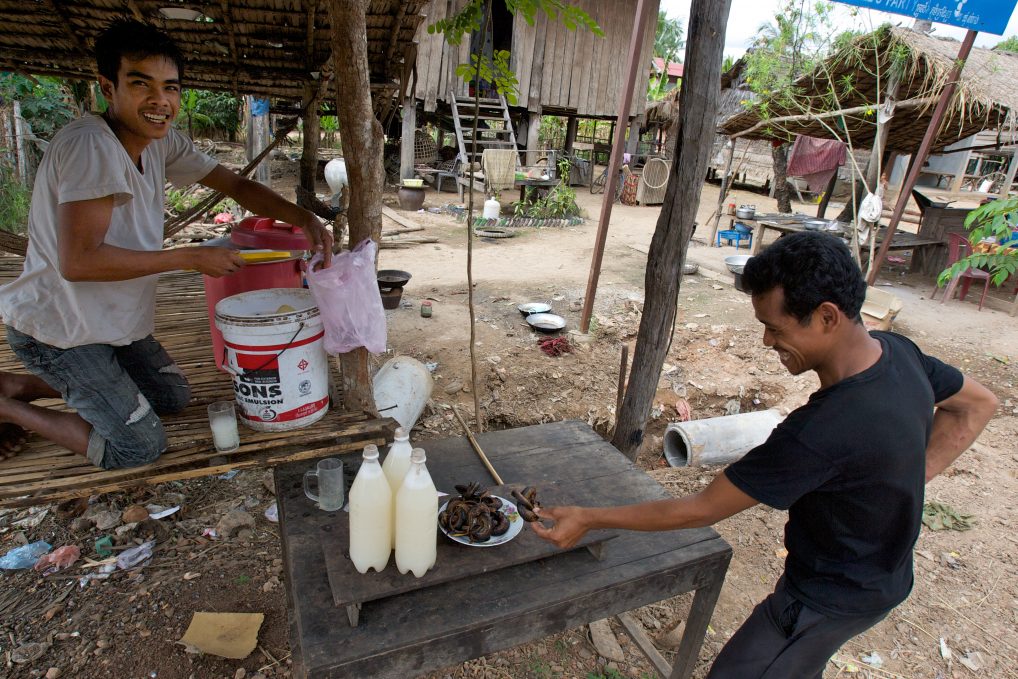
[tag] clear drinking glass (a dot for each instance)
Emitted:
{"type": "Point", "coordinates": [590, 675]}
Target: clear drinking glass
{"type": "Point", "coordinates": [331, 491]}
{"type": "Point", "coordinates": [223, 420]}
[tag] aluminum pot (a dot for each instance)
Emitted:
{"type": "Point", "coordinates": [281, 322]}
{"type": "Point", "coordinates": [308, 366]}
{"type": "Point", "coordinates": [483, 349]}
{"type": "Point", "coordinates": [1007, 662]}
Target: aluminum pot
{"type": "Point", "coordinates": [745, 211]}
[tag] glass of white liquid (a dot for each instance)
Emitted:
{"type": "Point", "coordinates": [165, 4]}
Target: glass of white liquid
{"type": "Point", "coordinates": [331, 491]}
{"type": "Point", "coordinates": [223, 420]}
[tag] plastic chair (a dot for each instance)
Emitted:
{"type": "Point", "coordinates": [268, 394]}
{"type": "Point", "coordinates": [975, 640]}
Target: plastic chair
{"type": "Point", "coordinates": [959, 247]}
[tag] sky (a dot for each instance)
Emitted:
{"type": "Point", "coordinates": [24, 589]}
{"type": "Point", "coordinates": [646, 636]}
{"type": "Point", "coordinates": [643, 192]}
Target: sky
{"type": "Point", "coordinates": [747, 15]}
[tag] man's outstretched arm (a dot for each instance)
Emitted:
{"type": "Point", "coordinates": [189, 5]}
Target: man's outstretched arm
{"type": "Point", "coordinates": [717, 501]}
{"type": "Point", "coordinates": [956, 424]}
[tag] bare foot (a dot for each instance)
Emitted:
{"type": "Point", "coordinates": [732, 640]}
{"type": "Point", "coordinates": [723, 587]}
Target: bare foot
{"type": "Point", "coordinates": [12, 438]}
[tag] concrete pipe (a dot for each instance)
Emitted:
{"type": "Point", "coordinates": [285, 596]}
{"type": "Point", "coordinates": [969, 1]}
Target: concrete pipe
{"type": "Point", "coordinates": [717, 440]}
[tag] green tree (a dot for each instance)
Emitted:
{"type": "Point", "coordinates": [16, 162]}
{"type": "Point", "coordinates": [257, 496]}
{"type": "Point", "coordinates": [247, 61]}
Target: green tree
{"type": "Point", "coordinates": [204, 113]}
{"type": "Point", "coordinates": [1009, 45]}
{"type": "Point", "coordinates": [669, 39]}
{"type": "Point", "coordinates": [785, 48]}
{"type": "Point", "coordinates": [996, 222]}
{"type": "Point", "coordinates": [46, 103]}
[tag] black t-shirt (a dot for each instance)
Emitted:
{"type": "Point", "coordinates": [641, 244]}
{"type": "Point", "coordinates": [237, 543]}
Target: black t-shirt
{"type": "Point", "coordinates": [850, 467]}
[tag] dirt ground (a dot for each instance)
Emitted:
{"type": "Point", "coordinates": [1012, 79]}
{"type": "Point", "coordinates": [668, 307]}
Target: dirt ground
{"type": "Point", "coordinates": [960, 620]}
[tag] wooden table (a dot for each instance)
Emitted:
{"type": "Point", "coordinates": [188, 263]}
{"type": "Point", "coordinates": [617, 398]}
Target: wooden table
{"type": "Point", "coordinates": [923, 248]}
{"type": "Point", "coordinates": [426, 629]}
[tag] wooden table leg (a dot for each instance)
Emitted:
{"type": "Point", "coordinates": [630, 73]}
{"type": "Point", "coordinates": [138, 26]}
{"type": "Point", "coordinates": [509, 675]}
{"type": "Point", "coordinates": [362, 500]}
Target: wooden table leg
{"type": "Point", "coordinates": [758, 239]}
{"type": "Point", "coordinates": [696, 625]}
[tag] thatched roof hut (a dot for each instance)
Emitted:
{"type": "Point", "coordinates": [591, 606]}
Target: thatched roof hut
{"type": "Point", "coordinates": [264, 47]}
{"type": "Point", "coordinates": [986, 97]}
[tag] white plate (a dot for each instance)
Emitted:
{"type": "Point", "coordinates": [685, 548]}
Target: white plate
{"type": "Point", "coordinates": [515, 526]}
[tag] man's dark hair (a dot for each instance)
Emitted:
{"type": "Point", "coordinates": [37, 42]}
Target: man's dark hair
{"type": "Point", "coordinates": [135, 40]}
{"type": "Point", "coordinates": [811, 268]}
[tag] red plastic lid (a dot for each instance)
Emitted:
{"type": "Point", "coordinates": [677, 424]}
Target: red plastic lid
{"type": "Point", "coordinates": [265, 232]}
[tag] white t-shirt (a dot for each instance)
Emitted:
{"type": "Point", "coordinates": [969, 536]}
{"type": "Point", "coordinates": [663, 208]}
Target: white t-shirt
{"type": "Point", "coordinates": [85, 161]}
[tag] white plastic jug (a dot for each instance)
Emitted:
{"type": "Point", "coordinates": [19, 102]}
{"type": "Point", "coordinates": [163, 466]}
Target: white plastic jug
{"type": "Point", "coordinates": [416, 519]}
{"type": "Point", "coordinates": [370, 515]}
{"type": "Point", "coordinates": [492, 209]}
{"type": "Point", "coordinates": [396, 465]}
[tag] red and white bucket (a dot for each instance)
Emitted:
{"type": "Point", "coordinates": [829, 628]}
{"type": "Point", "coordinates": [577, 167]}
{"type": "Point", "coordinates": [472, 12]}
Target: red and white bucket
{"type": "Point", "coordinates": [274, 350]}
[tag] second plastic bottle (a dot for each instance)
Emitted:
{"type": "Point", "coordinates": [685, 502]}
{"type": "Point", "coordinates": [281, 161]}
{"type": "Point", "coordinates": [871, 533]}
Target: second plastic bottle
{"type": "Point", "coordinates": [416, 518]}
{"type": "Point", "coordinates": [396, 465]}
{"type": "Point", "coordinates": [370, 515]}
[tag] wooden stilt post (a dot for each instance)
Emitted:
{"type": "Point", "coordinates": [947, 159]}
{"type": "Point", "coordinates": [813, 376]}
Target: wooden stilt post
{"type": "Point", "coordinates": [725, 183]}
{"type": "Point", "coordinates": [406, 148]}
{"type": "Point", "coordinates": [615, 160]}
{"type": "Point", "coordinates": [920, 157]}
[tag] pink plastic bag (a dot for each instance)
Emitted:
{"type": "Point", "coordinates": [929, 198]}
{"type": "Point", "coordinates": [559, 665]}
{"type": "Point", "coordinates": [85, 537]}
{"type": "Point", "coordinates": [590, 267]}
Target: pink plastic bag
{"type": "Point", "coordinates": [349, 301]}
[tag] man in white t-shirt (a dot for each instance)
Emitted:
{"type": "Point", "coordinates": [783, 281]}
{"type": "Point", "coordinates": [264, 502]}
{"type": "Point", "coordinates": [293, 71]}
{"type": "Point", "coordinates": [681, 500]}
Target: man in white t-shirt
{"type": "Point", "coordinates": [81, 315]}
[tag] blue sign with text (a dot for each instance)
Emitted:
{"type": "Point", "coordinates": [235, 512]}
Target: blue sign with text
{"type": "Point", "coordinates": [987, 16]}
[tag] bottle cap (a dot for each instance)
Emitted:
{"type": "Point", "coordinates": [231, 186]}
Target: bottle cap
{"type": "Point", "coordinates": [401, 434]}
{"type": "Point", "coordinates": [417, 455]}
{"type": "Point", "coordinates": [371, 452]}
{"type": "Point", "coordinates": [426, 303]}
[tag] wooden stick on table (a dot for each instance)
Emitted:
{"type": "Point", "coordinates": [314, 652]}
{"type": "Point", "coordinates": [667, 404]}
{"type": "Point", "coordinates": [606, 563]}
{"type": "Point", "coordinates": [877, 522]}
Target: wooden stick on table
{"type": "Point", "coordinates": [477, 448]}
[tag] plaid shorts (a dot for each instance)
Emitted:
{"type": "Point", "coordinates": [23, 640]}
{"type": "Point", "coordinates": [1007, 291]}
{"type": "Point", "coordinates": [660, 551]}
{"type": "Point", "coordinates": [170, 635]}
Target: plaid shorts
{"type": "Point", "coordinates": [120, 391]}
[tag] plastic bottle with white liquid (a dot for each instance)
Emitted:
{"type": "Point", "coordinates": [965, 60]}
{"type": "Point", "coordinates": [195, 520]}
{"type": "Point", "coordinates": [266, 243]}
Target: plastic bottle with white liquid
{"type": "Point", "coordinates": [370, 515]}
{"type": "Point", "coordinates": [396, 465]}
{"type": "Point", "coordinates": [416, 518]}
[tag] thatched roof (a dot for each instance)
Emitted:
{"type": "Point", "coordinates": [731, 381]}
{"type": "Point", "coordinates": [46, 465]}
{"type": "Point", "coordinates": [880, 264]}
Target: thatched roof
{"type": "Point", "coordinates": [265, 47]}
{"type": "Point", "coordinates": [986, 96]}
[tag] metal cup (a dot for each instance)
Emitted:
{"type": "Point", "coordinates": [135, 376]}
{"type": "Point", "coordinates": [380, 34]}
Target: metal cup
{"type": "Point", "coordinates": [331, 490]}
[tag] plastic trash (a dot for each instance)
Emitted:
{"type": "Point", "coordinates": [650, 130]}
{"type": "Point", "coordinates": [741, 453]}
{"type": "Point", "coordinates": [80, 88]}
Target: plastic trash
{"type": "Point", "coordinates": [135, 555]}
{"type": "Point", "coordinates": [229, 475]}
{"type": "Point", "coordinates": [24, 556]}
{"type": "Point", "coordinates": [272, 513]}
{"type": "Point", "coordinates": [104, 546]}
{"type": "Point", "coordinates": [58, 559]}
{"type": "Point", "coordinates": [157, 512]}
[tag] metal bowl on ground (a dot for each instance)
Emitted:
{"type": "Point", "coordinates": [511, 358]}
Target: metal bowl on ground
{"type": "Point", "coordinates": [735, 263]}
{"type": "Point", "coordinates": [392, 278]}
{"type": "Point", "coordinates": [534, 308]}
{"type": "Point", "coordinates": [690, 268]}
{"type": "Point", "coordinates": [546, 322]}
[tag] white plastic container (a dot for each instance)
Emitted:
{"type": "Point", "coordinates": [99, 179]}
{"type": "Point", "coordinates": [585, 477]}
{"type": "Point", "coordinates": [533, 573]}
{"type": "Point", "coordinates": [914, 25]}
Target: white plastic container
{"type": "Point", "coordinates": [370, 515]}
{"type": "Point", "coordinates": [275, 351]}
{"type": "Point", "coordinates": [396, 465]}
{"type": "Point", "coordinates": [402, 387]}
{"type": "Point", "coordinates": [416, 519]}
{"type": "Point", "coordinates": [492, 209]}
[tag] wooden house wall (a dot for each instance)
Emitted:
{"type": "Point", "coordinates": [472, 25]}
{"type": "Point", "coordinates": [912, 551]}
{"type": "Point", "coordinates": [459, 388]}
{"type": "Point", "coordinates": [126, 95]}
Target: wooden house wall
{"type": "Point", "coordinates": [557, 68]}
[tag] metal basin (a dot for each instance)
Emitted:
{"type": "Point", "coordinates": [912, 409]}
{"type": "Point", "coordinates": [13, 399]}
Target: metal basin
{"type": "Point", "coordinates": [534, 308]}
{"type": "Point", "coordinates": [735, 263]}
{"type": "Point", "coordinates": [546, 322]}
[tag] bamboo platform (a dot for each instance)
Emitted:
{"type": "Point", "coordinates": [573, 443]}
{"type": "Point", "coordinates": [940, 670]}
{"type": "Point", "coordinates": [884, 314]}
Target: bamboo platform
{"type": "Point", "coordinates": [44, 472]}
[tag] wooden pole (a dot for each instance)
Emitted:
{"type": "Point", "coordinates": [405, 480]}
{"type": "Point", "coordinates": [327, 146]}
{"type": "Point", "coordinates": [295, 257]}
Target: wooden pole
{"type": "Point", "coordinates": [312, 129]}
{"type": "Point", "coordinates": [20, 139]}
{"type": "Point", "coordinates": [922, 153]}
{"type": "Point", "coordinates": [694, 134]}
{"type": "Point", "coordinates": [406, 147]}
{"type": "Point", "coordinates": [822, 208]}
{"type": "Point", "coordinates": [477, 448]}
{"type": "Point", "coordinates": [725, 184]}
{"type": "Point", "coordinates": [615, 160]}
{"type": "Point", "coordinates": [1009, 179]}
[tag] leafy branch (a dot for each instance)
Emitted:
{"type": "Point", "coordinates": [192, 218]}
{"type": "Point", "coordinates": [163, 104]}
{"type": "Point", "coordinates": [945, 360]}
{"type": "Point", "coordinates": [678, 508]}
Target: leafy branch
{"type": "Point", "coordinates": [994, 222]}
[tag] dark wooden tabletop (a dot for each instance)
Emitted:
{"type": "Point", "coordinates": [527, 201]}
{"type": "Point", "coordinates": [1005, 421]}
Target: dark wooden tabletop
{"type": "Point", "coordinates": [445, 624]}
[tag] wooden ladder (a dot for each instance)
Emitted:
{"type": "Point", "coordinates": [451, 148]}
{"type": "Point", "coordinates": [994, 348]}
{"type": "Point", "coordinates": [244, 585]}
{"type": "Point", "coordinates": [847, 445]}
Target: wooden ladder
{"type": "Point", "coordinates": [498, 133]}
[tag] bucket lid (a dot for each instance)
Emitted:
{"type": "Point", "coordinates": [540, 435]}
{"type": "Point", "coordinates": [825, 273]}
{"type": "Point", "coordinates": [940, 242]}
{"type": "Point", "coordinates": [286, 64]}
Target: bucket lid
{"type": "Point", "coordinates": [265, 232]}
{"type": "Point", "coordinates": [272, 305]}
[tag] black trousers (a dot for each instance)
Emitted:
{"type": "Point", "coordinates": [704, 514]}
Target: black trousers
{"type": "Point", "coordinates": [785, 639]}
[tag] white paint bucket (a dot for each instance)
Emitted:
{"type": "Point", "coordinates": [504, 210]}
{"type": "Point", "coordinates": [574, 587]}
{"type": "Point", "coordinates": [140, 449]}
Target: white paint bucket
{"type": "Point", "coordinates": [275, 352]}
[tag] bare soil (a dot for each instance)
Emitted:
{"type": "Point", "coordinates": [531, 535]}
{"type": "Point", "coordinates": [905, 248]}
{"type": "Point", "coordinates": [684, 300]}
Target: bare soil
{"type": "Point", "coordinates": [960, 620]}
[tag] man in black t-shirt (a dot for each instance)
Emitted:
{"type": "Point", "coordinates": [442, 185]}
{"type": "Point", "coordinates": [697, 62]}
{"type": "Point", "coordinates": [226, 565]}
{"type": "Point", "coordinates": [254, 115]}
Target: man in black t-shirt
{"type": "Point", "coordinates": [849, 466]}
